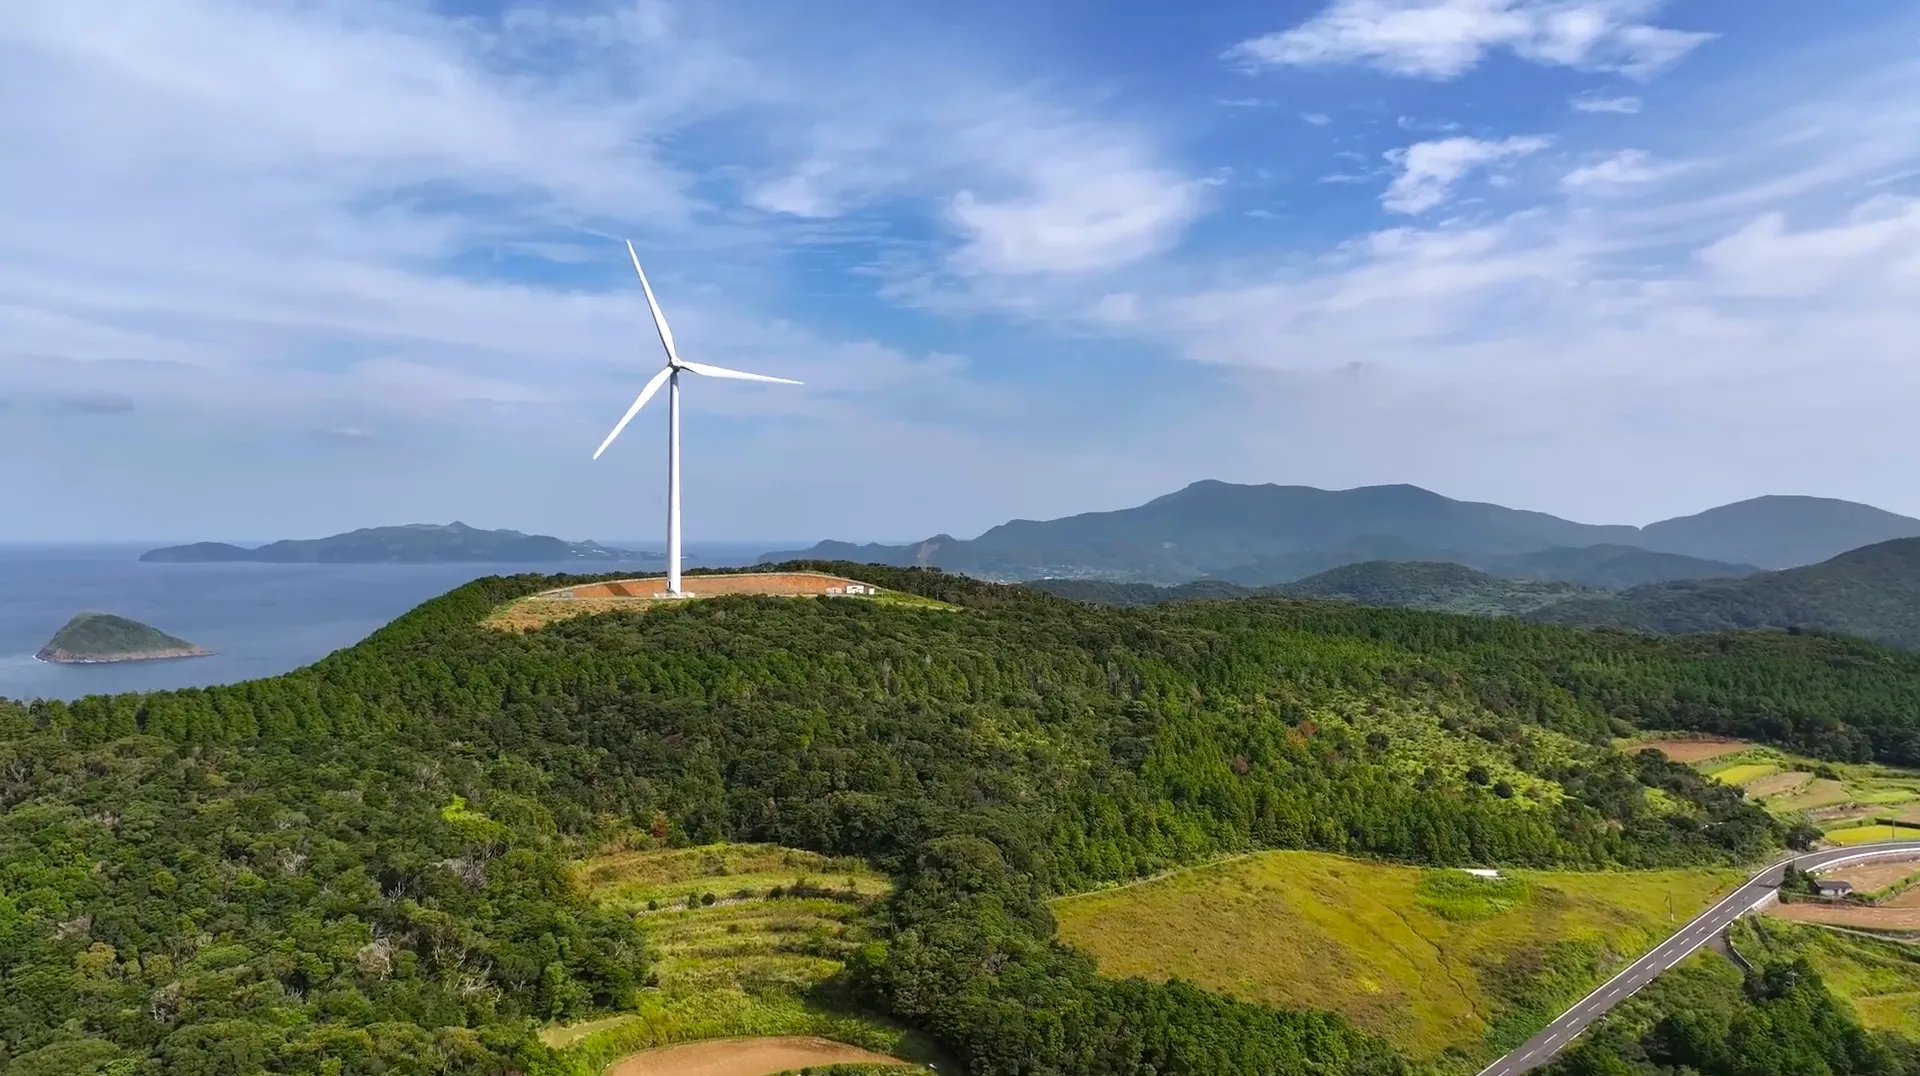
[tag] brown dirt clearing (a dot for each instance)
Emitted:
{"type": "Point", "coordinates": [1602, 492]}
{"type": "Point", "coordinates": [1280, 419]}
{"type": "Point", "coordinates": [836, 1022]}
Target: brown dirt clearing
{"type": "Point", "coordinates": [1885, 917]}
{"type": "Point", "coordinates": [1867, 877]}
{"type": "Point", "coordinates": [1693, 750]}
{"type": "Point", "coordinates": [744, 1057]}
{"type": "Point", "coordinates": [564, 603]}
{"type": "Point", "coordinates": [1778, 784]}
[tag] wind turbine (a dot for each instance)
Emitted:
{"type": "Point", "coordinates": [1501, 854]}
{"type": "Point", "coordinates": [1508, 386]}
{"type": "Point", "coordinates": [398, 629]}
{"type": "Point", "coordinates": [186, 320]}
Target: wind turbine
{"type": "Point", "coordinates": [670, 376]}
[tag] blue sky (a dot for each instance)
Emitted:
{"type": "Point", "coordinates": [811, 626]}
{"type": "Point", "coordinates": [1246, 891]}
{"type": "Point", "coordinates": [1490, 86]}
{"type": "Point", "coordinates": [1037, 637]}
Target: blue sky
{"type": "Point", "coordinates": [275, 268]}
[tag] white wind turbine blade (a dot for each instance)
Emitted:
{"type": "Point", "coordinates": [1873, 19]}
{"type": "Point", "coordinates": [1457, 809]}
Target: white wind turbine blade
{"type": "Point", "coordinates": [646, 394]}
{"type": "Point", "coordinates": [738, 375]}
{"type": "Point", "coordinates": [659, 319]}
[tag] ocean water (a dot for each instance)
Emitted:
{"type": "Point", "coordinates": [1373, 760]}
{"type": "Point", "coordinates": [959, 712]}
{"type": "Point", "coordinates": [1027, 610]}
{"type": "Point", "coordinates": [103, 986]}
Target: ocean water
{"type": "Point", "coordinates": [258, 619]}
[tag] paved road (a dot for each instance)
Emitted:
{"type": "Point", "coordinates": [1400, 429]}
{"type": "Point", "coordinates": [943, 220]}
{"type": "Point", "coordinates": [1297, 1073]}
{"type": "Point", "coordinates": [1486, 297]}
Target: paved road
{"type": "Point", "coordinates": [1560, 1034]}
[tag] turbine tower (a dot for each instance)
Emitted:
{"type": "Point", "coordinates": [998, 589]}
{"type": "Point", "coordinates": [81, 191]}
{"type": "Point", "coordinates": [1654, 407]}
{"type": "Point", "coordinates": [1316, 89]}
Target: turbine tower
{"type": "Point", "coordinates": [670, 376]}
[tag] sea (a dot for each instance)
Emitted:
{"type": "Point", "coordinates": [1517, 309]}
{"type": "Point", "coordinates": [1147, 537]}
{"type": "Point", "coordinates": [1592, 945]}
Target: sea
{"type": "Point", "coordinates": [258, 619]}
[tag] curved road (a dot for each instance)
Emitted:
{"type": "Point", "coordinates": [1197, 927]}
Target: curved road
{"type": "Point", "coordinates": [1560, 1034]}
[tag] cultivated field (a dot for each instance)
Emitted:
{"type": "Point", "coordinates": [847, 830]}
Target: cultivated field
{"type": "Point", "coordinates": [1691, 750]}
{"type": "Point", "coordinates": [1435, 960]}
{"type": "Point", "coordinates": [745, 1057]}
{"type": "Point", "coordinates": [1860, 917]}
{"type": "Point", "coordinates": [1875, 875]}
{"type": "Point", "coordinates": [564, 603]}
{"type": "Point", "coordinates": [1836, 797]}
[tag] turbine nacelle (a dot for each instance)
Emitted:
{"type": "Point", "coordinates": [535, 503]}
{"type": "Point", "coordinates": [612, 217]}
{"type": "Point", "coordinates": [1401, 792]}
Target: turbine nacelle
{"type": "Point", "coordinates": [675, 363]}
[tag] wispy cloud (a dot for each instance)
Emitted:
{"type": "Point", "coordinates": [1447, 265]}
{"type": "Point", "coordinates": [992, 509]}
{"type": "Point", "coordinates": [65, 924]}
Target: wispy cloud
{"type": "Point", "coordinates": [1624, 105]}
{"type": "Point", "coordinates": [1443, 39]}
{"type": "Point", "coordinates": [1625, 168]}
{"type": "Point", "coordinates": [1429, 170]}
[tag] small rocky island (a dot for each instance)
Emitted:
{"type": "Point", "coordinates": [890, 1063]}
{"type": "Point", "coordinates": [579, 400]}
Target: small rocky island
{"type": "Point", "coordinates": [99, 637]}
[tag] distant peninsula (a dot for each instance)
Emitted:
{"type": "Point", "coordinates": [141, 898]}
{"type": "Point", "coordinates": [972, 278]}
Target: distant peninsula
{"type": "Point", "coordinates": [414, 543]}
{"type": "Point", "coordinates": [91, 638]}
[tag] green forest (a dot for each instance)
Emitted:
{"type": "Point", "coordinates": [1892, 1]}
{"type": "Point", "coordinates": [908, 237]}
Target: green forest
{"type": "Point", "coordinates": [362, 866]}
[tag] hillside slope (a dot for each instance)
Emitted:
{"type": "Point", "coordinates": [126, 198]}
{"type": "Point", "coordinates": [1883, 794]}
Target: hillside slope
{"type": "Point", "coordinates": [1431, 959]}
{"type": "Point", "coordinates": [365, 863]}
{"type": "Point", "coordinates": [1608, 567]}
{"type": "Point", "coordinates": [1873, 593]}
{"type": "Point", "coordinates": [1445, 588]}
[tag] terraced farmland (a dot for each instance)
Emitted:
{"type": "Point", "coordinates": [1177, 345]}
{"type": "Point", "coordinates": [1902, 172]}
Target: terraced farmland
{"type": "Point", "coordinates": [1850, 803]}
{"type": "Point", "coordinates": [745, 942]}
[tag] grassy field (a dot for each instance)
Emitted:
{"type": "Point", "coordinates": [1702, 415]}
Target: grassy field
{"type": "Point", "coordinates": [1880, 979]}
{"type": "Point", "coordinates": [1866, 834]}
{"type": "Point", "coordinates": [1834, 796]}
{"type": "Point", "coordinates": [745, 941]}
{"type": "Point", "coordinates": [1446, 965]}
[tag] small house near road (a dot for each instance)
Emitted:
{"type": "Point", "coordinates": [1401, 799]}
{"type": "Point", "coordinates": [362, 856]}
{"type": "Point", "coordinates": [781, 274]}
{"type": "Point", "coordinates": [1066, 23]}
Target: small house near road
{"type": "Point", "coordinates": [1832, 887]}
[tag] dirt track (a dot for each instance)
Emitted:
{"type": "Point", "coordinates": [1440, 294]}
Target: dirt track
{"type": "Point", "coordinates": [744, 1057]}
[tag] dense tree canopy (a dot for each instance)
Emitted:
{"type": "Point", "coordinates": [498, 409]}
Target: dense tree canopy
{"type": "Point", "coordinates": [360, 866]}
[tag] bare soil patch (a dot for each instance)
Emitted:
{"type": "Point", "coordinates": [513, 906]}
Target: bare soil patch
{"type": "Point", "coordinates": [1868, 877]}
{"type": "Point", "coordinates": [744, 1057]}
{"type": "Point", "coordinates": [1690, 751]}
{"type": "Point", "coordinates": [1884, 917]}
{"type": "Point", "coordinates": [1778, 784]}
{"type": "Point", "coordinates": [587, 599]}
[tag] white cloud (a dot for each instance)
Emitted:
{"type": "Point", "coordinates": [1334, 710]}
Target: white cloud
{"type": "Point", "coordinates": [1075, 222]}
{"type": "Point", "coordinates": [1429, 170]}
{"type": "Point", "coordinates": [1625, 168]}
{"type": "Point", "coordinates": [1875, 252]}
{"type": "Point", "coordinates": [1071, 197]}
{"type": "Point", "coordinates": [1443, 39]}
{"type": "Point", "coordinates": [1318, 119]}
{"type": "Point", "coordinates": [1625, 106]}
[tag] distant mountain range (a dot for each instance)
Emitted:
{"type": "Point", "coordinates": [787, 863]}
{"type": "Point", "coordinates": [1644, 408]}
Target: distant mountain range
{"type": "Point", "coordinates": [414, 543]}
{"type": "Point", "coordinates": [1267, 535]}
{"type": "Point", "coordinates": [1872, 593]}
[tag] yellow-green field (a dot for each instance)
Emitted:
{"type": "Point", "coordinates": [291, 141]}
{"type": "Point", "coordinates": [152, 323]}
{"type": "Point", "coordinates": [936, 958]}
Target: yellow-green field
{"type": "Point", "coordinates": [1880, 979]}
{"type": "Point", "coordinates": [1867, 834]}
{"type": "Point", "coordinates": [1435, 960]}
{"type": "Point", "coordinates": [1741, 773]}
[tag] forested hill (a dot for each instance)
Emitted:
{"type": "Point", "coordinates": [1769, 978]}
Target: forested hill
{"type": "Point", "coordinates": [1873, 593]}
{"type": "Point", "coordinates": [361, 866]}
{"type": "Point", "coordinates": [1433, 586]}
